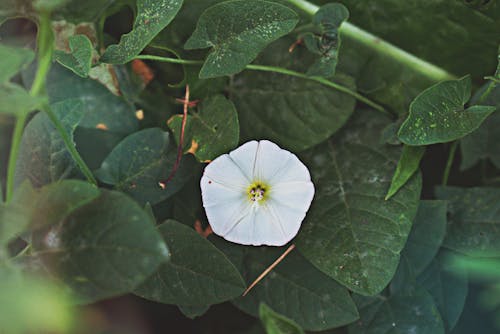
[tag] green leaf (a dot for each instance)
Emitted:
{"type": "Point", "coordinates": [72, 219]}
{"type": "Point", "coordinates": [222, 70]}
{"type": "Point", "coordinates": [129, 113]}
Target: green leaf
{"type": "Point", "coordinates": [326, 42]}
{"type": "Point", "coordinates": [473, 225]}
{"type": "Point", "coordinates": [407, 166]}
{"type": "Point", "coordinates": [197, 273]}
{"type": "Point", "coordinates": [102, 249]}
{"type": "Point", "coordinates": [408, 311]}
{"type": "Point", "coordinates": [351, 232]}
{"type": "Point", "coordinates": [138, 163]}
{"type": "Point", "coordinates": [193, 311]}
{"type": "Point", "coordinates": [16, 101]}
{"type": "Point", "coordinates": [437, 115]}
{"type": "Point", "coordinates": [152, 17]}
{"type": "Point", "coordinates": [295, 289]}
{"type": "Point", "coordinates": [79, 59]}
{"type": "Point", "coordinates": [237, 31]}
{"type": "Point", "coordinates": [13, 60]}
{"type": "Point", "coordinates": [275, 323]}
{"type": "Point", "coordinates": [448, 288]}
{"type": "Point", "coordinates": [212, 131]}
{"type": "Point", "coordinates": [427, 234]}
{"type": "Point", "coordinates": [43, 157]}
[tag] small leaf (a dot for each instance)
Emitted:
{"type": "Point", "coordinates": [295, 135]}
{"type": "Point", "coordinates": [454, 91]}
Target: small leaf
{"type": "Point", "coordinates": [43, 157]}
{"type": "Point", "coordinates": [79, 59]}
{"type": "Point", "coordinates": [327, 20]}
{"type": "Point", "coordinates": [427, 234]}
{"type": "Point", "coordinates": [12, 60]}
{"type": "Point", "coordinates": [152, 17]}
{"type": "Point", "coordinates": [193, 311]}
{"type": "Point", "coordinates": [102, 249]}
{"type": "Point", "coordinates": [407, 166]}
{"type": "Point", "coordinates": [16, 101]}
{"type": "Point", "coordinates": [237, 31]}
{"type": "Point", "coordinates": [138, 163]}
{"type": "Point", "coordinates": [408, 311]}
{"type": "Point", "coordinates": [351, 232]}
{"type": "Point", "coordinates": [197, 273]}
{"type": "Point", "coordinates": [448, 288]}
{"type": "Point", "coordinates": [275, 323]}
{"type": "Point", "coordinates": [437, 115]}
{"type": "Point", "coordinates": [212, 131]}
{"type": "Point", "coordinates": [474, 224]}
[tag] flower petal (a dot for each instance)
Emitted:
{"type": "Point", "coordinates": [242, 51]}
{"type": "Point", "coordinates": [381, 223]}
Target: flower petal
{"type": "Point", "coordinates": [223, 170]}
{"type": "Point", "coordinates": [288, 219]}
{"type": "Point", "coordinates": [293, 195]}
{"type": "Point", "coordinates": [270, 160]}
{"type": "Point", "coordinates": [223, 217]}
{"type": "Point", "coordinates": [214, 193]}
{"type": "Point", "coordinates": [244, 158]}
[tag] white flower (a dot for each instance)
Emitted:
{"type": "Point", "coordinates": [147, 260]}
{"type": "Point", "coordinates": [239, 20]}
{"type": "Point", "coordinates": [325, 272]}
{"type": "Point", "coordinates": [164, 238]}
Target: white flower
{"type": "Point", "coordinates": [257, 194]}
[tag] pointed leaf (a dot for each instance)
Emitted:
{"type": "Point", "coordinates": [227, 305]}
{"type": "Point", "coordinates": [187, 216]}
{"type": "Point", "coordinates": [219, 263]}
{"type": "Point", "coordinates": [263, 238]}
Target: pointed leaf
{"type": "Point", "coordinates": [238, 30]}
{"type": "Point", "coordinates": [473, 226]}
{"type": "Point", "coordinates": [152, 17]}
{"type": "Point", "coordinates": [193, 311]}
{"type": "Point", "coordinates": [275, 323]}
{"type": "Point", "coordinates": [212, 131]}
{"type": "Point", "coordinates": [197, 273]}
{"type": "Point", "coordinates": [407, 166]}
{"type": "Point", "coordinates": [438, 115]}
{"type": "Point", "coordinates": [138, 163]}
{"type": "Point", "coordinates": [16, 101]}
{"type": "Point", "coordinates": [351, 232]}
{"type": "Point", "coordinates": [12, 60]}
{"type": "Point", "coordinates": [102, 249]}
{"type": "Point", "coordinates": [79, 59]}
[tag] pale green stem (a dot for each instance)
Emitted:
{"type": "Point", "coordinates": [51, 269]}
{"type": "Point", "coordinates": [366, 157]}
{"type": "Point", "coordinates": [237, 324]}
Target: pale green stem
{"type": "Point", "coordinates": [274, 69]}
{"type": "Point", "coordinates": [449, 163]}
{"type": "Point", "coordinates": [389, 51]}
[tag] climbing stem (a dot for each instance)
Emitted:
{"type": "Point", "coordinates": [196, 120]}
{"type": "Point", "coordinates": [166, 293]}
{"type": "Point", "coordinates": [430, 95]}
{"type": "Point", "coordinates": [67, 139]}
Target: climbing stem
{"type": "Point", "coordinates": [274, 69]}
{"type": "Point", "coordinates": [449, 163]}
{"type": "Point", "coordinates": [379, 46]}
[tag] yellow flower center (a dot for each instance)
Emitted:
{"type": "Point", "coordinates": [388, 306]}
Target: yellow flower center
{"type": "Point", "coordinates": [258, 192]}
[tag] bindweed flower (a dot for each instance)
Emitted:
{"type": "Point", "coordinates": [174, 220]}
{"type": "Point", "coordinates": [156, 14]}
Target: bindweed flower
{"type": "Point", "coordinates": [257, 194]}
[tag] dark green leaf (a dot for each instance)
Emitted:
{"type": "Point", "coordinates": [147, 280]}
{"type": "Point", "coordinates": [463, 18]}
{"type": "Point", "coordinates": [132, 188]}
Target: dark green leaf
{"type": "Point", "coordinates": [275, 323]}
{"type": "Point", "coordinates": [351, 233]}
{"type": "Point", "coordinates": [448, 288]}
{"type": "Point", "coordinates": [12, 60]}
{"type": "Point", "coordinates": [152, 17]}
{"type": "Point", "coordinates": [140, 162]}
{"type": "Point", "coordinates": [473, 226]}
{"type": "Point", "coordinates": [193, 311]}
{"type": "Point", "coordinates": [407, 166]}
{"type": "Point", "coordinates": [238, 30]}
{"type": "Point", "coordinates": [326, 42]}
{"type": "Point", "coordinates": [426, 235]}
{"type": "Point", "coordinates": [411, 311]}
{"type": "Point", "coordinates": [16, 101]}
{"type": "Point", "coordinates": [437, 115]}
{"type": "Point", "coordinates": [294, 288]}
{"type": "Point", "coordinates": [43, 157]}
{"type": "Point", "coordinates": [212, 131]}
{"type": "Point", "coordinates": [197, 273]}
{"type": "Point", "coordinates": [79, 59]}
{"type": "Point", "coordinates": [102, 249]}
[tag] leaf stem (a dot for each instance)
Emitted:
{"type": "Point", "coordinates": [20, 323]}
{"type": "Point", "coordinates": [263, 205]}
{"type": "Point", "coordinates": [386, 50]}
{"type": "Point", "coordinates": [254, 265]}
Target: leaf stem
{"type": "Point", "coordinates": [274, 69]}
{"type": "Point", "coordinates": [350, 31]}
{"type": "Point", "coordinates": [449, 163]}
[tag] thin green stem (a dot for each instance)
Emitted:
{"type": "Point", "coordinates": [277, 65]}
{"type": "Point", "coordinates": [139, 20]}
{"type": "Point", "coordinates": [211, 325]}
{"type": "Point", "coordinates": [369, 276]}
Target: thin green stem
{"type": "Point", "coordinates": [274, 69]}
{"type": "Point", "coordinates": [350, 31]}
{"type": "Point", "coordinates": [449, 163]}
{"type": "Point", "coordinates": [70, 146]}
{"type": "Point", "coordinates": [14, 150]}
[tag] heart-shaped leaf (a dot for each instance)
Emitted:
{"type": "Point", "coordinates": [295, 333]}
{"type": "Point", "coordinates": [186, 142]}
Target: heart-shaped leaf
{"type": "Point", "coordinates": [79, 59]}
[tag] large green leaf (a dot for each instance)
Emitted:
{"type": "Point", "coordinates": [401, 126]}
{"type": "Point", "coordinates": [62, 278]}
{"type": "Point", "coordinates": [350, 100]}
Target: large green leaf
{"type": "Point", "coordinates": [212, 131]}
{"type": "Point", "coordinates": [427, 234]}
{"type": "Point", "coordinates": [138, 163]}
{"type": "Point", "coordinates": [295, 113]}
{"type": "Point", "coordinates": [473, 226]}
{"type": "Point", "coordinates": [43, 157]}
{"type": "Point", "coordinates": [152, 17]}
{"type": "Point", "coordinates": [438, 115]}
{"type": "Point", "coordinates": [407, 166]}
{"type": "Point", "coordinates": [238, 30]}
{"type": "Point", "coordinates": [12, 60]}
{"type": "Point", "coordinates": [102, 249]}
{"type": "Point", "coordinates": [448, 288]}
{"type": "Point", "coordinates": [407, 311]}
{"type": "Point", "coordinates": [351, 232]}
{"type": "Point", "coordinates": [294, 288]}
{"type": "Point", "coordinates": [79, 59]}
{"type": "Point", "coordinates": [197, 273]}
{"type": "Point", "coordinates": [275, 323]}
{"type": "Point", "coordinates": [16, 101]}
